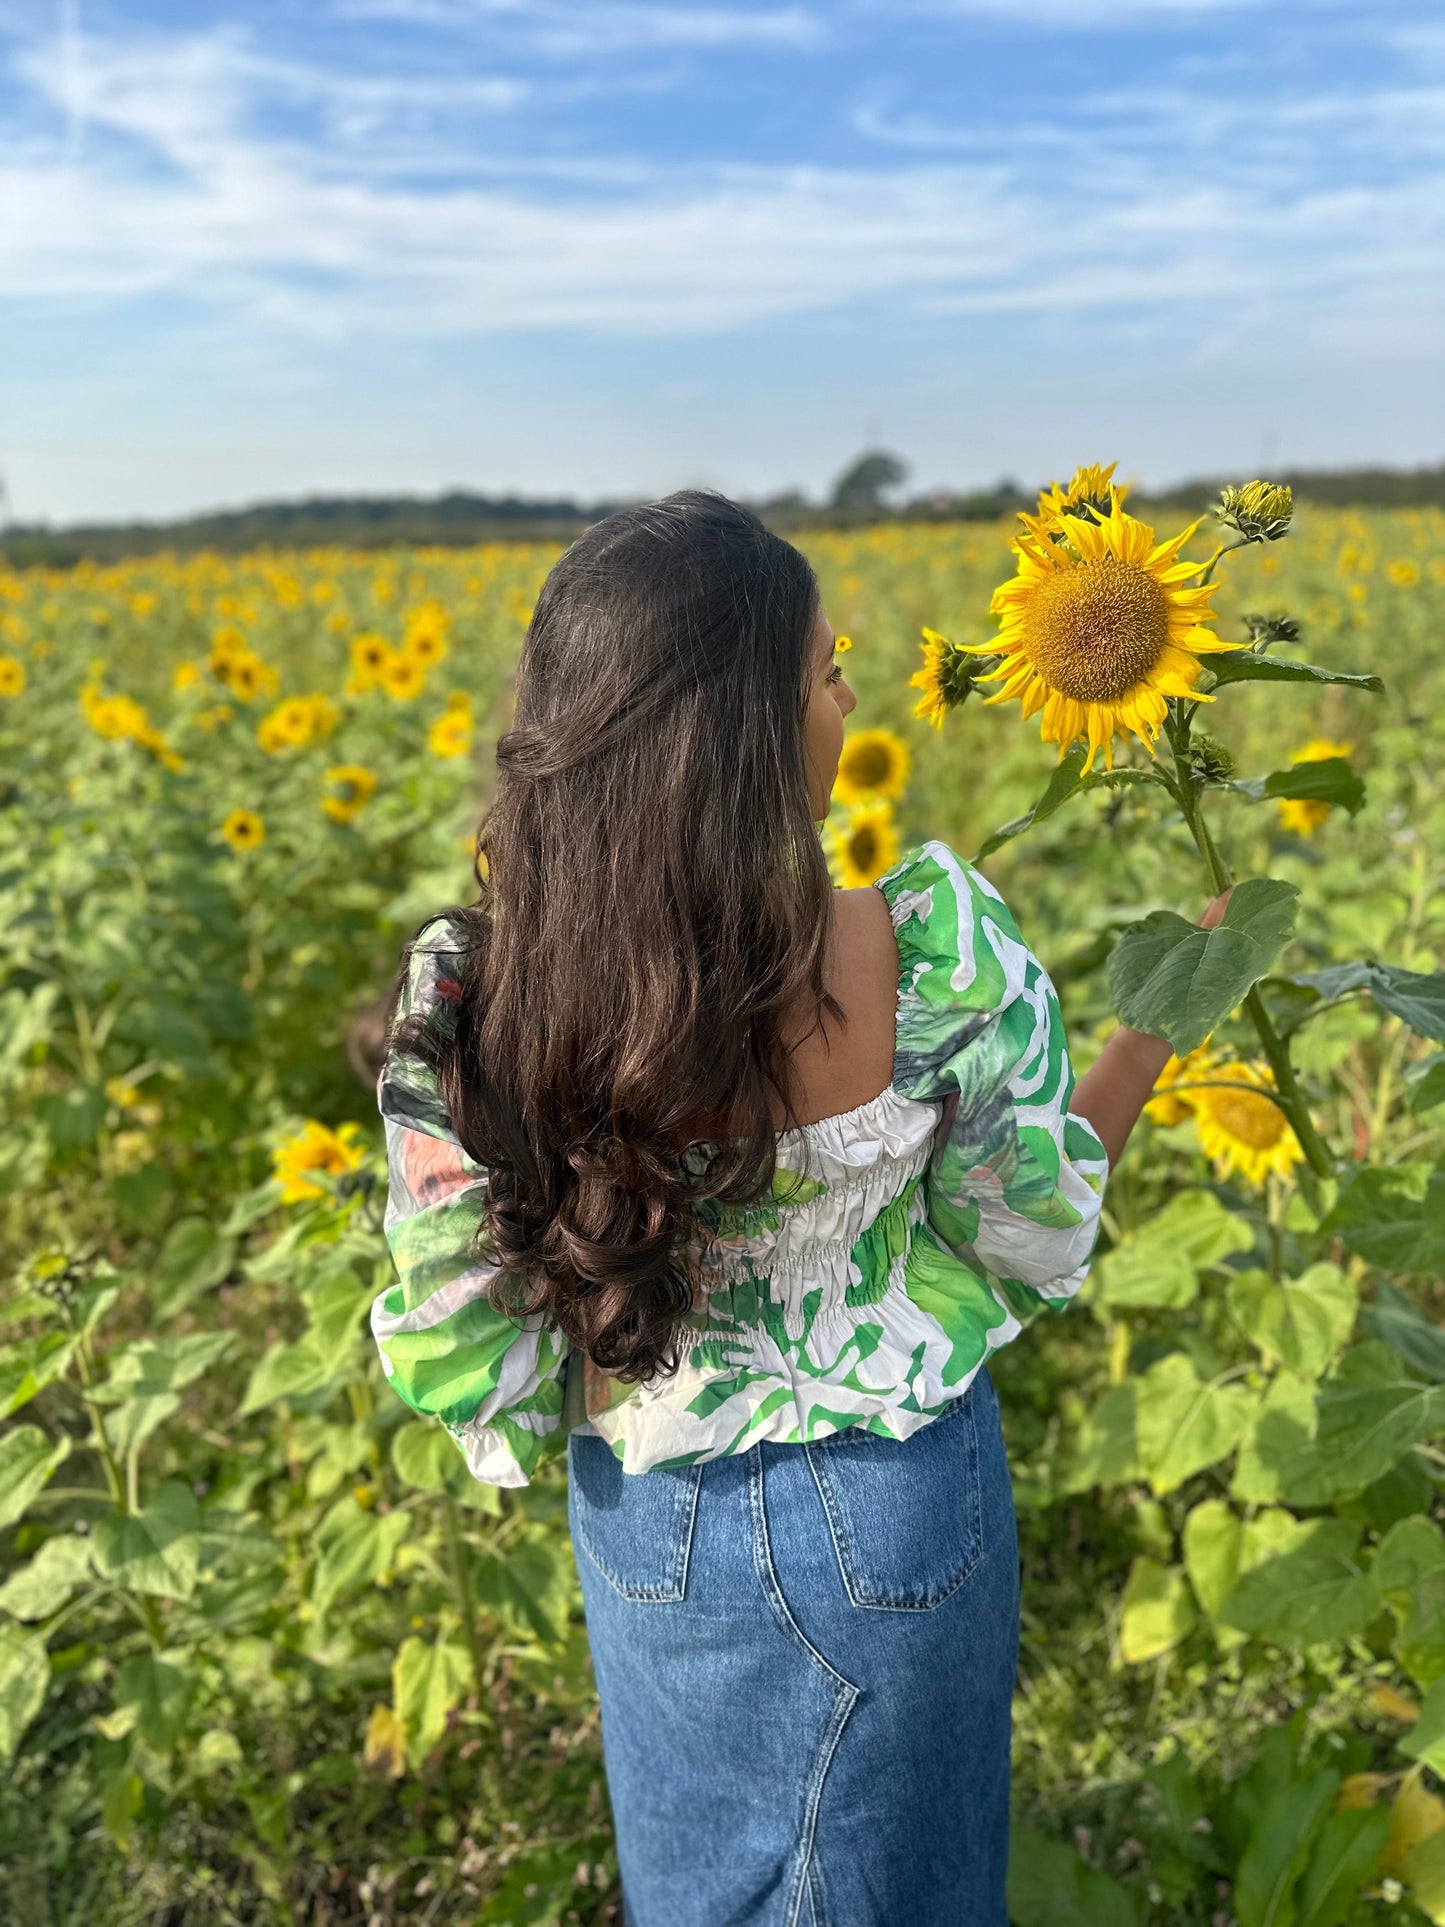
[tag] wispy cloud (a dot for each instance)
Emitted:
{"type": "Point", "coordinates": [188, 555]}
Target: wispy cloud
{"type": "Point", "coordinates": [606, 26]}
{"type": "Point", "coordinates": [194, 185]}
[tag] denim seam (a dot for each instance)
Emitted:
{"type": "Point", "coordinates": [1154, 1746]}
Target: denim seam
{"type": "Point", "coordinates": [674, 1587]}
{"type": "Point", "coordinates": [843, 1544]}
{"type": "Point", "coordinates": [846, 1695]}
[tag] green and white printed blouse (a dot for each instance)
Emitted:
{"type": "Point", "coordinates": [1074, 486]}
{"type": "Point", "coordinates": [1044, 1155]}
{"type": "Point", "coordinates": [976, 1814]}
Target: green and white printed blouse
{"type": "Point", "coordinates": [903, 1241]}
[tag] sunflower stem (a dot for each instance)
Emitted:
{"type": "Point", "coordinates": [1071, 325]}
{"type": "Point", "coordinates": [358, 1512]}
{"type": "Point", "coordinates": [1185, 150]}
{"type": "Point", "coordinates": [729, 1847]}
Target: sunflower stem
{"type": "Point", "coordinates": [1276, 1050]}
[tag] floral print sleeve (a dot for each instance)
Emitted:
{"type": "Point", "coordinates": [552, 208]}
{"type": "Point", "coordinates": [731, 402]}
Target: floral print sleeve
{"type": "Point", "coordinates": [1015, 1185]}
{"type": "Point", "coordinates": [493, 1381]}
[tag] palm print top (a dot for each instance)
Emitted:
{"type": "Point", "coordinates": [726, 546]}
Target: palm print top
{"type": "Point", "coordinates": [902, 1242]}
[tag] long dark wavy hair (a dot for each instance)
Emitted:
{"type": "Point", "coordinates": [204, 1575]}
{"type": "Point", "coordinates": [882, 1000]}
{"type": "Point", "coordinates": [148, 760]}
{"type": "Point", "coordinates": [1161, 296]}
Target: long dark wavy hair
{"type": "Point", "coordinates": [654, 903]}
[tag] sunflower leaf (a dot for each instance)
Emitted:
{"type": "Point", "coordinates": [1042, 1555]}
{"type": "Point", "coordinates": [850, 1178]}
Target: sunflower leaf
{"type": "Point", "coordinates": [1332, 780]}
{"type": "Point", "coordinates": [1175, 980]}
{"type": "Point", "coordinates": [1243, 665]}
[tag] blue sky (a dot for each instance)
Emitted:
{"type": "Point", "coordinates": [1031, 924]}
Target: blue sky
{"type": "Point", "coordinates": [612, 246]}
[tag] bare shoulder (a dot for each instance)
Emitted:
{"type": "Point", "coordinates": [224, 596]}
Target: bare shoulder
{"type": "Point", "coordinates": [867, 950]}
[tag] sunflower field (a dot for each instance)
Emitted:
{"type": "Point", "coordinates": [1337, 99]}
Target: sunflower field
{"type": "Point", "coordinates": [267, 1654]}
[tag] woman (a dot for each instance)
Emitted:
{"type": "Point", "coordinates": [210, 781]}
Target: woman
{"type": "Point", "coordinates": [735, 1181]}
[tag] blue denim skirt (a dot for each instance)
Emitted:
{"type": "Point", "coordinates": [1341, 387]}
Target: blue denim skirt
{"type": "Point", "coordinates": [805, 1656]}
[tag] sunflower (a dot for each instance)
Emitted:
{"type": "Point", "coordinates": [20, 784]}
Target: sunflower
{"type": "Point", "coordinates": [842, 644]}
{"type": "Point", "coordinates": [864, 847]}
{"type": "Point", "coordinates": [370, 653]}
{"type": "Point", "coordinates": [403, 678]}
{"type": "Point", "coordinates": [352, 789]}
{"type": "Point", "coordinates": [316, 1148]}
{"type": "Point", "coordinates": [1304, 814]}
{"type": "Point", "coordinates": [185, 676]}
{"type": "Point", "coordinates": [1097, 629]}
{"type": "Point", "coordinates": [1092, 494]}
{"type": "Point", "coordinates": [1241, 1128]}
{"type": "Point", "coordinates": [451, 733]}
{"type": "Point", "coordinates": [288, 726]}
{"type": "Point", "coordinates": [12, 676]}
{"type": "Point", "coordinates": [946, 678]}
{"type": "Point", "coordinates": [1167, 1106]}
{"type": "Point", "coordinates": [426, 634]}
{"type": "Point", "coordinates": [873, 766]}
{"type": "Point", "coordinates": [244, 830]}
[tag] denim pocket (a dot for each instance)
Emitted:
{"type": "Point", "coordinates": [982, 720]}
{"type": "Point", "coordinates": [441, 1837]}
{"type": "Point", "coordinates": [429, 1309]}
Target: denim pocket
{"type": "Point", "coordinates": [906, 1515]}
{"type": "Point", "coordinates": [636, 1528]}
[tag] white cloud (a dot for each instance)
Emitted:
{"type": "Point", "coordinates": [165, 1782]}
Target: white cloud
{"type": "Point", "coordinates": [182, 190]}
{"type": "Point", "coordinates": [572, 31]}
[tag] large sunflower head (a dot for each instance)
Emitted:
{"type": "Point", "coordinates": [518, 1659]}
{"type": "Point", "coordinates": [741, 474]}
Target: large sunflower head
{"type": "Point", "coordinates": [863, 847]}
{"type": "Point", "coordinates": [1240, 1127]}
{"type": "Point", "coordinates": [1098, 629]}
{"type": "Point", "coordinates": [873, 765]}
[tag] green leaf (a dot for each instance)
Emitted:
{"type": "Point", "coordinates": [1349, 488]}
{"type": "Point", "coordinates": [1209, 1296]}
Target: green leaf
{"type": "Point", "coordinates": [1425, 1084]}
{"type": "Point", "coordinates": [1426, 1738]}
{"type": "Point", "coordinates": [1279, 1849]}
{"type": "Point", "coordinates": [31, 1364]}
{"type": "Point", "coordinates": [427, 1682]}
{"type": "Point", "coordinates": [425, 1455]}
{"type": "Point", "coordinates": [1185, 1423]}
{"type": "Point", "coordinates": [527, 1587]}
{"type": "Point", "coordinates": [1279, 1456]}
{"type": "Point", "coordinates": [150, 1366]}
{"type": "Point", "coordinates": [1242, 665]}
{"type": "Point", "coordinates": [1174, 980]}
{"type": "Point", "coordinates": [1409, 1552]}
{"type": "Point", "coordinates": [156, 1551]}
{"type": "Point", "coordinates": [1213, 1541]}
{"type": "Point", "coordinates": [194, 1258]}
{"type": "Point", "coordinates": [354, 1547]}
{"type": "Point", "coordinates": [24, 1676]}
{"type": "Point", "coordinates": [1333, 780]}
{"type": "Point", "coordinates": [1299, 1322]}
{"type": "Point", "coordinates": [1107, 1449]}
{"type": "Point", "coordinates": [1345, 1859]}
{"type": "Point", "coordinates": [1394, 1320]}
{"type": "Point", "coordinates": [1063, 784]}
{"type": "Point", "coordinates": [41, 1588]}
{"type": "Point", "coordinates": [1417, 998]}
{"type": "Point", "coordinates": [1393, 1216]}
{"type": "Point", "coordinates": [1370, 1413]}
{"type": "Point", "coordinates": [286, 1371]}
{"type": "Point", "coordinates": [27, 1460]}
{"type": "Point", "coordinates": [131, 1424]}
{"type": "Point", "coordinates": [1050, 1886]}
{"type": "Point", "coordinates": [1160, 1264]}
{"type": "Point", "coordinates": [1313, 1590]}
{"type": "Point", "coordinates": [1157, 1611]}
{"type": "Point", "coordinates": [160, 1692]}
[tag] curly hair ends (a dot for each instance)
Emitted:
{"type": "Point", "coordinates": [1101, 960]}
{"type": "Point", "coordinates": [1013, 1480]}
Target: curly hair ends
{"type": "Point", "coordinates": [655, 902]}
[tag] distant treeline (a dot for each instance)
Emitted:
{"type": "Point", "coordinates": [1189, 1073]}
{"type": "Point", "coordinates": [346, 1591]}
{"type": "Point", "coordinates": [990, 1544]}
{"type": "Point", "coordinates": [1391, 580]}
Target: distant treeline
{"type": "Point", "coordinates": [868, 491]}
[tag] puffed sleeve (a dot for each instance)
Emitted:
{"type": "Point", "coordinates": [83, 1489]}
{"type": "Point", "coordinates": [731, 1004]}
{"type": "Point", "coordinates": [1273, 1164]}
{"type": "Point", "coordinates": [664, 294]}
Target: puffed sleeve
{"type": "Point", "coordinates": [494, 1382]}
{"type": "Point", "coordinates": [1016, 1182]}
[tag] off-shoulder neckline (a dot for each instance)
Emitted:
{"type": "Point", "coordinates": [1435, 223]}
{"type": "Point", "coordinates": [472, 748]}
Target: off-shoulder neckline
{"type": "Point", "coordinates": [890, 1091]}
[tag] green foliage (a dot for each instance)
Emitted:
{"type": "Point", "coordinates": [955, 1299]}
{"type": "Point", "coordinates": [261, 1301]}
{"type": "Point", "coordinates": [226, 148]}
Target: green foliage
{"type": "Point", "coordinates": [267, 1651]}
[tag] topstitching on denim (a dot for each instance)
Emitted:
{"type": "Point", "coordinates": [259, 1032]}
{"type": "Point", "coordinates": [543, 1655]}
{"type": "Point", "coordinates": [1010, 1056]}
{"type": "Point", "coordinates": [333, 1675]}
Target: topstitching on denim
{"type": "Point", "coordinates": [677, 1539]}
{"type": "Point", "coordinates": [845, 1700]}
{"type": "Point", "coordinates": [901, 1597]}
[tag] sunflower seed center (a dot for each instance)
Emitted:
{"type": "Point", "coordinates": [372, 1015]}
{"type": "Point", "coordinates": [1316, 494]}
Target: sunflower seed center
{"type": "Point", "coordinates": [1097, 629]}
{"type": "Point", "coordinates": [1252, 1120]}
{"type": "Point", "coordinates": [870, 765]}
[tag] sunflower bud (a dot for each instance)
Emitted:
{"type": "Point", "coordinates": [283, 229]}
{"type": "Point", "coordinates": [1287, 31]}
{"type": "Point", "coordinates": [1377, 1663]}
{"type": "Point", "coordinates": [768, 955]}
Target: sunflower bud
{"type": "Point", "coordinates": [1259, 511]}
{"type": "Point", "coordinates": [1263, 630]}
{"type": "Point", "coordinates": [1210, 760]}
